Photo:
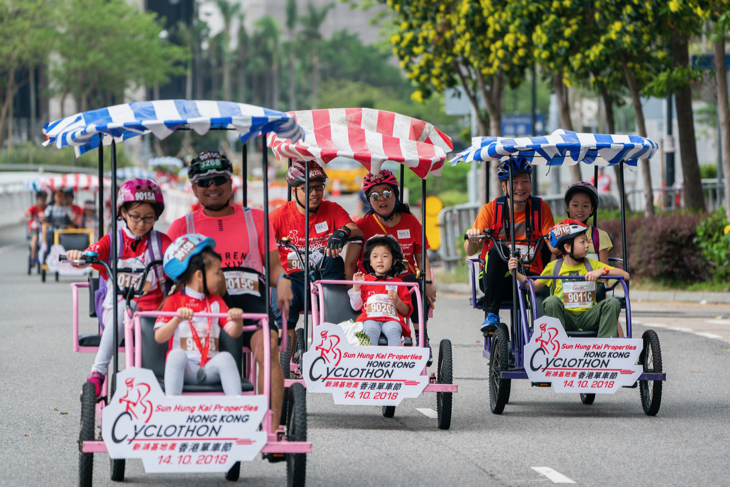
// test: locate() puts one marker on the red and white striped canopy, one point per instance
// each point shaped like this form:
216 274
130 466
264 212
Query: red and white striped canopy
75 181
368 136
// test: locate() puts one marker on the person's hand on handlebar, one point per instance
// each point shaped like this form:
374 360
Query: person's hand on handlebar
72 255
513 265
474 241
337 241
475 232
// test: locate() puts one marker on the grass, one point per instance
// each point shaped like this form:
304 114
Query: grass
459 275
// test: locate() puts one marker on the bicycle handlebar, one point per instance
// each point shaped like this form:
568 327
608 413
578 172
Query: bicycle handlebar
497 243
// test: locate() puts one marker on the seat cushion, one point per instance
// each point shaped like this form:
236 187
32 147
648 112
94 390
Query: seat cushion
246 386
337 304
74 241
92 340
582 333
93 286
383 341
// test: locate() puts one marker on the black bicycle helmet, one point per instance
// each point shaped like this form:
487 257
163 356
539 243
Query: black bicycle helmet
386 241
582 187
209 163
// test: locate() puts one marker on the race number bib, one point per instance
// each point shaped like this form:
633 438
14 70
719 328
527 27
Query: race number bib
239 282
292 262
128 280
525 251
188 344
380 306
579 294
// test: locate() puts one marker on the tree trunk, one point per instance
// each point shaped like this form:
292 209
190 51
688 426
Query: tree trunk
292 84
611 129
566 123
11 115
493 103
275 84
694 198
723 111
641 128
315 80
33 106
241 72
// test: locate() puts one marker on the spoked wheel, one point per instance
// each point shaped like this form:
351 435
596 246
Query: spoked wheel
499 388
651 360
587 399
56 276
445 376
285 368
299 348
88 426
296 430
30 265
117 469
43 275
388 411
235 472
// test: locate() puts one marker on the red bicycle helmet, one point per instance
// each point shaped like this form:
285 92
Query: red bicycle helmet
383 177
142 191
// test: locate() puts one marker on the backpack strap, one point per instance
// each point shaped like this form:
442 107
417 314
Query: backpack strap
556 273
190 223
497 223
253 259
588 266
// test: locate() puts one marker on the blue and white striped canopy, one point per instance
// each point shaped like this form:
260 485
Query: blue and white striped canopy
132 172
163 117
562 148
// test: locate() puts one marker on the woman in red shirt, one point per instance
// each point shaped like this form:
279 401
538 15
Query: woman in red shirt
390 216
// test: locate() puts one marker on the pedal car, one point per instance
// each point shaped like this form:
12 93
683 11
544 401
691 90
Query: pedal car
538 348
324 360
137 420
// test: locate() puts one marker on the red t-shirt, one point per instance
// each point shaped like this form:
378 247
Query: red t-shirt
407 231
376 304
289 222
229 233
36 214
133 257
183 337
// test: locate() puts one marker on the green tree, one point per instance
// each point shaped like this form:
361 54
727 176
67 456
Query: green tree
229 11
290 48
28 33
106 47
311 33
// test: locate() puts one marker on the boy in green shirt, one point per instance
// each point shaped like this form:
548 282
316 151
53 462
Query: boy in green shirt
573 301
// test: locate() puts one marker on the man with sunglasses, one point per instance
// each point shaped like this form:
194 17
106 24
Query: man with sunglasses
329 228
239 236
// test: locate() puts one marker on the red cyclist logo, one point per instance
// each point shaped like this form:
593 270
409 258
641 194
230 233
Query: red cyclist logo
550 343
135 400
331 351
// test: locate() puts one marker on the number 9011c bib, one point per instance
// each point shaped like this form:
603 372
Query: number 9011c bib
380 306
579 294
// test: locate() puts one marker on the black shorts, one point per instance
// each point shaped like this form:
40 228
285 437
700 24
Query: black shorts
250 304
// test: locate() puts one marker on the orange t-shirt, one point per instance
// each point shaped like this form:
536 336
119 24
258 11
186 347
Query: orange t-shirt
486 216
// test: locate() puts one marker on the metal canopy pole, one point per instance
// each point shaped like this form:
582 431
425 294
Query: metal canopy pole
512 238
424 304
288 193
402 181
100 230
623 217
267 257
595 210
244 178
306 256
113 277
486 181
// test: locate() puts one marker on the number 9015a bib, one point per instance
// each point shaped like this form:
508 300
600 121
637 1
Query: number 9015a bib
579 294
380 306
241 282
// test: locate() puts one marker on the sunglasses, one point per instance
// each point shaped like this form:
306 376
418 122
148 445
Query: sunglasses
375 196
317 188
208 182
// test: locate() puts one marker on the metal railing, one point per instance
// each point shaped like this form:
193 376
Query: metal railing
670 199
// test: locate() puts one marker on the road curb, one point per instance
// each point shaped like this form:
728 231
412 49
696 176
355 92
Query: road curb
638 295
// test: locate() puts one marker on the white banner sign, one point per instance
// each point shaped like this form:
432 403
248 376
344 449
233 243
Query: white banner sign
379 376
181 433
63 268
580 365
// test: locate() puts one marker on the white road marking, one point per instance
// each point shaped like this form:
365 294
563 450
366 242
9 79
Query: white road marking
428 412
655 325
718 322
555 477
678 328
708 335
9 247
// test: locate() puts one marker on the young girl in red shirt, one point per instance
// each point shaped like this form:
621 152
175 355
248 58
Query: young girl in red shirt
384 307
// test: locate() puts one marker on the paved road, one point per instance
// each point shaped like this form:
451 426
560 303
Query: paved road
609 443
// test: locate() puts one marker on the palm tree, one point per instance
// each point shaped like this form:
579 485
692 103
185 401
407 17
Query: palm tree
291 24
267 31
311 24
228 11
243 44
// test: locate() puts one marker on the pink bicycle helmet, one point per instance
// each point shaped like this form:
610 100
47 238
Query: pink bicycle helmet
383 177
297 172
142 191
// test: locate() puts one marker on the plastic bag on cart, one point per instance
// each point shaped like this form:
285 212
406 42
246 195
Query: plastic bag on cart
355 333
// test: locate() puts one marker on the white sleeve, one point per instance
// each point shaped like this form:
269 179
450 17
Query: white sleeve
355 299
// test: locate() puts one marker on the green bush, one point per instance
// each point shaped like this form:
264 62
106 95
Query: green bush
37 155
708 171
715 244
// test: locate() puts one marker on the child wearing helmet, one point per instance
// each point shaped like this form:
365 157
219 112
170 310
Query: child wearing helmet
573 301
533 219
385 307
139 204
194 356
34 214
581 202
